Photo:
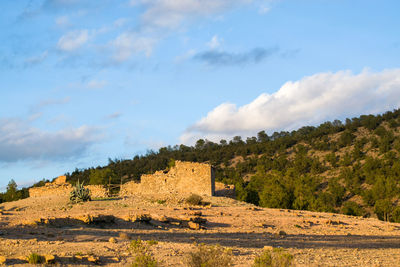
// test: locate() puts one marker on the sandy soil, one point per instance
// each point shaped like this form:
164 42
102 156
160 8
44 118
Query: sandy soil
51 225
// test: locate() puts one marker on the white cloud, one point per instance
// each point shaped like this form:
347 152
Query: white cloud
62 21
120 22
129 43
171 14
264 9
96 84
309 101
50 102
20 141
215 42
73 40
188 54
159 17
35 59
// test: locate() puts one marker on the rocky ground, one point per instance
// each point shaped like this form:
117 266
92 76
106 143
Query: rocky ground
100 231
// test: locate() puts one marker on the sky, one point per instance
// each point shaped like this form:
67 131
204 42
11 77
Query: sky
83 81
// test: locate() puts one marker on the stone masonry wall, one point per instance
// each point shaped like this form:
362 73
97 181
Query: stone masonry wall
97 191
184 178
61 188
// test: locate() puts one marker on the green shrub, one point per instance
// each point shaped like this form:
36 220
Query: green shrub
79 193
352 208
276 257
152 242
383 208
143 257
396 215
194 199
161 201
34 258
209 256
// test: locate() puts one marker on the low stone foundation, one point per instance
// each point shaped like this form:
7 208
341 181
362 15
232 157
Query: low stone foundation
61 188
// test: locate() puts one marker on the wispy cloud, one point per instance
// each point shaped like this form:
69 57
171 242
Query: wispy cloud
73 40
62 21
215 42
20 141
160 17
171 14
309 101
128 43
114 116
96 84
49 102
34 60
222 58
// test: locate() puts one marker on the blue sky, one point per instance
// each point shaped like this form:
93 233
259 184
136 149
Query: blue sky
83 81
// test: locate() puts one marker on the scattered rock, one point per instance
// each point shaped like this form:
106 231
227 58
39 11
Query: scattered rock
332 222
198 220
79 257
194 225
146 218
94 259
282 233
160 218
196 213
124 236
50 259
176 222
87 219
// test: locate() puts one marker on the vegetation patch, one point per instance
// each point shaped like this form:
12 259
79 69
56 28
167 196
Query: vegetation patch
194 200
79 193
34 258
142 255
210 256
276 257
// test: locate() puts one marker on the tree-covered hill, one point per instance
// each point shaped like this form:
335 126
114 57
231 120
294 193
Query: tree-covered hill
351 167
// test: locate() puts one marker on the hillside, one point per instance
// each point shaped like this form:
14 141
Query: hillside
100 232
349 167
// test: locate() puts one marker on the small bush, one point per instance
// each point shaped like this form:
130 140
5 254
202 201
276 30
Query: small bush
34 258
143 257
124 236
210 256
152 242
161 201
79 193
274 258
352 208
194 199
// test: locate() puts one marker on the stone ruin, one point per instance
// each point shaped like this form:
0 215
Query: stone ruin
183 179
60 187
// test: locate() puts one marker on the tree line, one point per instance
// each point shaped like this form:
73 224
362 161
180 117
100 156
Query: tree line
351 167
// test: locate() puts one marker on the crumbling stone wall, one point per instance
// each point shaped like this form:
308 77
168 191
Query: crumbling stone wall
59 187
184 178
50 189
97 191
225 190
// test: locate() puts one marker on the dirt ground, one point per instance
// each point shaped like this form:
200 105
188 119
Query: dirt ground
72 233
